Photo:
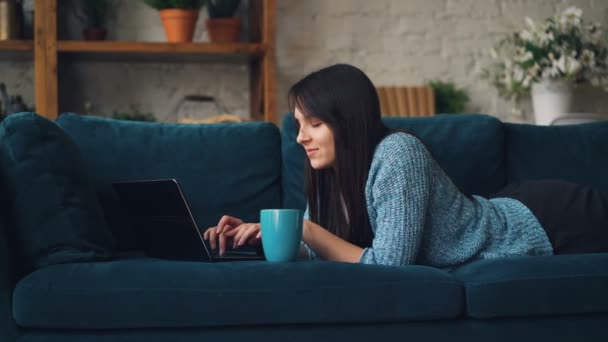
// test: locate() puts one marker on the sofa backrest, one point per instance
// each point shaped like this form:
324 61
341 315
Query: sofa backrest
469 147
232 168
575 153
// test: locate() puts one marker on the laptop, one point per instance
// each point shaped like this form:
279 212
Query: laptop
158 210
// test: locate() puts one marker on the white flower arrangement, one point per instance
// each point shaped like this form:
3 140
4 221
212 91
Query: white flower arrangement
562 47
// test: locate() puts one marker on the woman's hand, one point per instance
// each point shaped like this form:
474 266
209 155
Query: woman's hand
233 229
213 234
329 246
250 233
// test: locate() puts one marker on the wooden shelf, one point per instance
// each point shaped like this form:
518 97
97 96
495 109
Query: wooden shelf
160 52
153 47
49 53
16 50
16 45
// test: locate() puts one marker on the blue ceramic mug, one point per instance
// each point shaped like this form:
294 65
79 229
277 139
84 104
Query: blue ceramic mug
281 234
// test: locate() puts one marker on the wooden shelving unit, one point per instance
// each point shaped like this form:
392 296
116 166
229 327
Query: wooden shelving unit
259 54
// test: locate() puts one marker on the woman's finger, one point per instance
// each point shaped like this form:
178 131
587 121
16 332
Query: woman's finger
222 240
212 237
255 241
206 233
250 231
241 230
232 232
223 221
228 220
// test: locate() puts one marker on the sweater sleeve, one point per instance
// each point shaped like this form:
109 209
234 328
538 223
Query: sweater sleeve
311 254
398 192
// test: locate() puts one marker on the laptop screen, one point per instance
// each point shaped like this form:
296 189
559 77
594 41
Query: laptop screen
159 214
155 198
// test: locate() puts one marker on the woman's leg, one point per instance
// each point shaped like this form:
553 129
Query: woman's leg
574 216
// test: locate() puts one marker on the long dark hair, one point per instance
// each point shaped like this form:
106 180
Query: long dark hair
345 99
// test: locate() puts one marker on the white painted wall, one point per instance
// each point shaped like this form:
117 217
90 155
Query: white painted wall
401 42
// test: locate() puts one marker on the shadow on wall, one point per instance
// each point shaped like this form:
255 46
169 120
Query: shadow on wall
588 99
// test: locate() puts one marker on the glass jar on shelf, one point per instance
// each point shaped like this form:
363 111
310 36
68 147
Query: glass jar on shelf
197 108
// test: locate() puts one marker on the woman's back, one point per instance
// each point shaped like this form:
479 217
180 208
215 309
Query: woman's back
419 216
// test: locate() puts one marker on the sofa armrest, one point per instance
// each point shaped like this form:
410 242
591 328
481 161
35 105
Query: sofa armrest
8 328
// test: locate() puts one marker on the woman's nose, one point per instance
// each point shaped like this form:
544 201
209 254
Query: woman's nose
302 137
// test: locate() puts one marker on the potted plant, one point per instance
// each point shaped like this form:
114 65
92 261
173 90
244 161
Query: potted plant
448 98
221 24
94 15
179 17
548 59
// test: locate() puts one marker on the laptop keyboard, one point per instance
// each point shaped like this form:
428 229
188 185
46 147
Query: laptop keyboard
239 252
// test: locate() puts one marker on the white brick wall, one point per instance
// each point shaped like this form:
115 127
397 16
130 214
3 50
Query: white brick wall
411 41
394 41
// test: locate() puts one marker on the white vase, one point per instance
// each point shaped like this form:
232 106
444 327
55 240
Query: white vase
550 100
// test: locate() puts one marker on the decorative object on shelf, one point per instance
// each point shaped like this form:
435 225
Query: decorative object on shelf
136 115
406 101
11 19
551 99
222 118
561 49
94 15
28 20
179 17
221 25
193 108
579 118
449 99
11 104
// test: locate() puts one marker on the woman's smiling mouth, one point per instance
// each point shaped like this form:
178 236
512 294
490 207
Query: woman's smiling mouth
310 151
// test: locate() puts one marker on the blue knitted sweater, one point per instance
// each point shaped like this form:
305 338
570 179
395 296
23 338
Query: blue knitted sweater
418 216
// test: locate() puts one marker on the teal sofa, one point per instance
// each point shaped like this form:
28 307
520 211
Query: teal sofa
71 268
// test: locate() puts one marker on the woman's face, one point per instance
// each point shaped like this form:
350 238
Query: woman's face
317 139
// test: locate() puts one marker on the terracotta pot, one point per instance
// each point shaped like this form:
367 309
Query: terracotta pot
179 24
224 30
93 33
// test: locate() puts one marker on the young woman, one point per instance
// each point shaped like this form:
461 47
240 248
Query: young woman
379 197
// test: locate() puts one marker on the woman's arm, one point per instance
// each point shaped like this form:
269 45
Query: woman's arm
327 245
399 192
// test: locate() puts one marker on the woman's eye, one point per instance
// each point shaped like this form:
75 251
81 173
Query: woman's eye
316 124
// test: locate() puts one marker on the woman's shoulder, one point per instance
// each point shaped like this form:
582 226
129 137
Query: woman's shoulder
399 144
399 155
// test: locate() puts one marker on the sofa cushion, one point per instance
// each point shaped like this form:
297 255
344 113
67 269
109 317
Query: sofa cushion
529 286
469 147
576 153
142 293
232 168
54 213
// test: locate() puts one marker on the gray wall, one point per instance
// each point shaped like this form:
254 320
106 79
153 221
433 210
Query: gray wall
397 42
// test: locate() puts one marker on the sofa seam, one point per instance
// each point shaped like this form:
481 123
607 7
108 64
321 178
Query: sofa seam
582 277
